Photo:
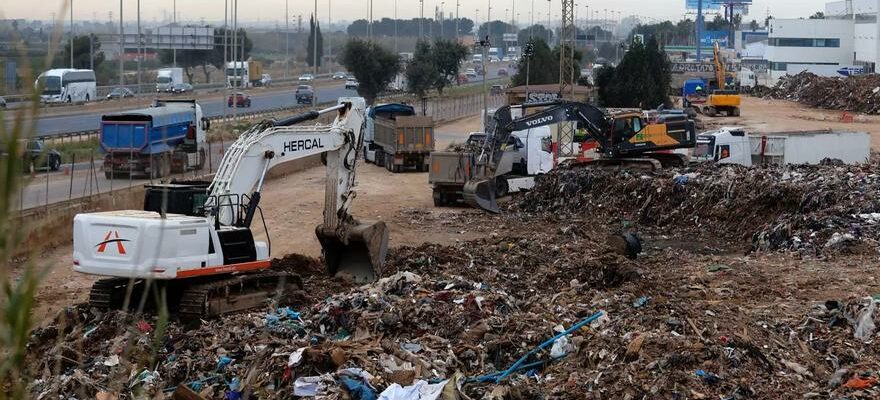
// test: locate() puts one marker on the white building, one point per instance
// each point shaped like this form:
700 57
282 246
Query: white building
866 30
847 37
821 46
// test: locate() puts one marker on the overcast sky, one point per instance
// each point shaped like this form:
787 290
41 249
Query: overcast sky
273 10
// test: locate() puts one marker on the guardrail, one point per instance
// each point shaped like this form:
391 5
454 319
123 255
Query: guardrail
148 89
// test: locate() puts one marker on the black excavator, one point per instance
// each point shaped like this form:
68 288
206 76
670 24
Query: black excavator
624 140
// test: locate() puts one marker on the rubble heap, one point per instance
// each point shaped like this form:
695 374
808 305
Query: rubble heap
808 209
859 94
446 320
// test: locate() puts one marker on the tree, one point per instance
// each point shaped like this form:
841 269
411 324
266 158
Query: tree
447 57
534 31
753 25
313 28
422 72
373 65
640 80
498 29
189 59
818 15
81 53
542 67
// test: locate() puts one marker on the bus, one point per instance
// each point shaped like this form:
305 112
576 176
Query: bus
67 85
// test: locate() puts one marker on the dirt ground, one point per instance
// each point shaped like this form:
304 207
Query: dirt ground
293 204
763 115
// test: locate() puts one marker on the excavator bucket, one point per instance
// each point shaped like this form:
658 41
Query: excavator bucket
358 254
481 194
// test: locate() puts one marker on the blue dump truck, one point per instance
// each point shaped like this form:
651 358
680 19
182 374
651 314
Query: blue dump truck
154 142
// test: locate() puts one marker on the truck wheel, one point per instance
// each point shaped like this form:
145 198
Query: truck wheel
108 174
202 159
396 168
735 112
55 164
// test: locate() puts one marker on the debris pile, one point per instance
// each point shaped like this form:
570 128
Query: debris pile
860 93
547 313
816 210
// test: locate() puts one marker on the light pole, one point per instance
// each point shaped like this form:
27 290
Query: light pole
315 45
395 28
442 4
226 52
174 25
488 23
71 33
531 20
457 4
330 37
369 25
140 46
286 37
549 29
421 19
121 47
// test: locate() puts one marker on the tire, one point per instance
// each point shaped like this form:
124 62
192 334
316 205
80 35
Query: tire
397 169
735 112
202 158
87 98
249 104
108 174
55 163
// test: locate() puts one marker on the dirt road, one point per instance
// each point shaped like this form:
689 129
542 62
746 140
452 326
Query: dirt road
294 204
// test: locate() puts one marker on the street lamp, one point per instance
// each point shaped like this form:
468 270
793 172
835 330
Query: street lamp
71 33
286 37
442 4
421 19
456 20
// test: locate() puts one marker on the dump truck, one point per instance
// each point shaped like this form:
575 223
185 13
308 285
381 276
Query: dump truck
734 145
244 74
155 141
397 138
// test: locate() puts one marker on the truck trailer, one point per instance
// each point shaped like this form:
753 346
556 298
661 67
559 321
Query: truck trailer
166 78
734 145
243 74
155 141
397 138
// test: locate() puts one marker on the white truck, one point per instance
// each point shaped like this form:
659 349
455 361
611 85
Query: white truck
734 145
166 78
244 74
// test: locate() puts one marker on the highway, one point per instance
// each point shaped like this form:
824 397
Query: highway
212 104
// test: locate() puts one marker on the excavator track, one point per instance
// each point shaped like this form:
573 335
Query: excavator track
237 293
201 297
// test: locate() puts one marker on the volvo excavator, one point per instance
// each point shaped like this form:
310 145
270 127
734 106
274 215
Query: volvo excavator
624 140
194 241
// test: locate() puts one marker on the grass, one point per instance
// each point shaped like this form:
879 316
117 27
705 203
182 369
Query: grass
78 151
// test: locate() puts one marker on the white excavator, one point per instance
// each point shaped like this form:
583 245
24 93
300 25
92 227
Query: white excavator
194 241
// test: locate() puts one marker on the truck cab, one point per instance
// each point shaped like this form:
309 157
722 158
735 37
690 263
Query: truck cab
727 145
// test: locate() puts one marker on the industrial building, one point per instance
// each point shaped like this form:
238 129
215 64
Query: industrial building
844 42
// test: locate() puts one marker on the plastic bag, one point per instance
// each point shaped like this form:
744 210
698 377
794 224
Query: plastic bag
865 323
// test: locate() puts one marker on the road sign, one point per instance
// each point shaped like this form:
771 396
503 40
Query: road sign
509 37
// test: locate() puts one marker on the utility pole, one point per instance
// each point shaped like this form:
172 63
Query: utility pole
369 23
91 51
457 5
699 30
236 65
315 45
395 28
140 46
71 34
121 47
442 3
225 53
174 25
421 19
286 38
330 38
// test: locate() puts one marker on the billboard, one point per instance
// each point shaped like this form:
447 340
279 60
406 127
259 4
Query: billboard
707 5
709 38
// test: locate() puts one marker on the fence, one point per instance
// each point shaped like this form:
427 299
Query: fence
84 184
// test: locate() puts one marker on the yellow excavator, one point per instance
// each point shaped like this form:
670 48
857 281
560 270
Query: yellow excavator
722 99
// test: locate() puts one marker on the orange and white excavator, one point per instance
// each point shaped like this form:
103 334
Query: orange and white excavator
195 241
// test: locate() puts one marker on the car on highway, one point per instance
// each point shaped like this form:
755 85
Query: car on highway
502 72
266 80
239 99
496 90
181 88
36 155
494 59
120 93
352 83
2 102
462 79
306 78
338 76
305 94
506 59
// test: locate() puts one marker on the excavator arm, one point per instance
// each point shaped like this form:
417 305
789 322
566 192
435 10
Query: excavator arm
480 192
349 247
